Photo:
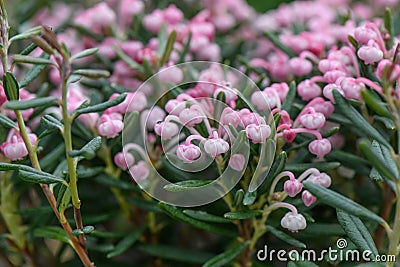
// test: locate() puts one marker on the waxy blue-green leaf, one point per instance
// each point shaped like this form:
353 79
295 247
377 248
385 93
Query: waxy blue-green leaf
89 150
388 22
226 257
7 122
31 103
32 60
26 34
186 185
11 87
52 232
34 72
168 48
290 97
176 254
242 215
204 216
39 177
127 242
51 123
84 231
358 120
275 40
357 232
301 167
102 106
285 237
376 104
383 162
177 214
84 53
338 201
92 73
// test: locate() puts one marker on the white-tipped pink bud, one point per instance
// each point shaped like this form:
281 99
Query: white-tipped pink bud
293 221
292 187
124 160
308 198
237 162
188 153
258 133
166 130
139 171
320 147
313 120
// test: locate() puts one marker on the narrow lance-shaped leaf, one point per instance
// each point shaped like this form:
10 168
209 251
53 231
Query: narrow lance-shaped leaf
89 150
51 123
204 216
285 237
356 231
127 242
275 40
85 53
34 72
241 215
228 256
186 185
27 34
339 201
102 106
168 48
11 87
376 104
31 103
358 120
7 122
32 60
39 177
374 153
92 73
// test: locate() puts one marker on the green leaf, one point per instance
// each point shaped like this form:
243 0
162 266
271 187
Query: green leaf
31 103
276 168
52 232
238 199
7 122
357 232
249 198
388 21
32 60
186 185
241 215
27 34
204 216
51 123
124 57
383 162
92 73
177 214
84 53
358 120
168 48
275 40
144 204
176 254
290 97
89 150
84 231
285 237
339 201
102 106
112 182
224 258
389 124
127 242
34 72
39 177
11 87
301 167
185 48
375 103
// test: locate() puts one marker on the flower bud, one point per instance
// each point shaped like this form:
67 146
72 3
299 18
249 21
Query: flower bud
174 106
292 187
188 153
230 116
139 171
363 35
351 88
258 133
300 67
308 198
154 115
216 147
166 130
370 54
124 160
293 221
308 90
237 162
14 150
110 125
191 116
313 120
320 147
289 135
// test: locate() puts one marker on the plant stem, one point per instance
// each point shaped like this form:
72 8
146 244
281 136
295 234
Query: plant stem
394 238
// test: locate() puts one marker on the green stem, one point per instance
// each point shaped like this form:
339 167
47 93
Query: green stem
394 238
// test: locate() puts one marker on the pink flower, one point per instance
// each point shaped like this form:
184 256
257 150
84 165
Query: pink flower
264 100
300 67
110 125
230 116
289 135
173 15
154 21
229 93
191 116
188 153
174 106
322 179
385 65
124 160
351 88
320 147
292 187
139 171
249 117
210 52
216 146
313 121
258 133
14 148
171 74
166 130
237 162
363 35
370 54
3 97
133 102
308 90
328 91
293 221
155 115
129 8
308 198
282 89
